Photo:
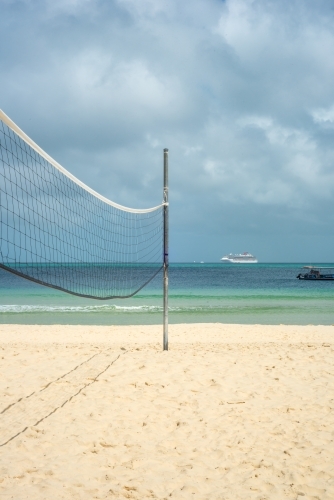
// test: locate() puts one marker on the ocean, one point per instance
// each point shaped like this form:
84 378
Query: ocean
198 293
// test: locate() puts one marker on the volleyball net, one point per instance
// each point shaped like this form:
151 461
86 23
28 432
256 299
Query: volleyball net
58 232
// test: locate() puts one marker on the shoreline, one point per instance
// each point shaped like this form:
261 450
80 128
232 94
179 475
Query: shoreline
230 411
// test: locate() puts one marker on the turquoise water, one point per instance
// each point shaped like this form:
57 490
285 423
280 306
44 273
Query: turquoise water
199 293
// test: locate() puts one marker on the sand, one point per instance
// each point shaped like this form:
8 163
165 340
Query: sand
229 412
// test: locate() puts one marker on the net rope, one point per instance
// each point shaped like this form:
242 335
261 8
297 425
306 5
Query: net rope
58 232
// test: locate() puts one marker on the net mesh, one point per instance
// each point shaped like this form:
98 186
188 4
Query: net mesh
55 232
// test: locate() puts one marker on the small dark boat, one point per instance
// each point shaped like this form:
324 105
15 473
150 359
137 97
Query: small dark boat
317 273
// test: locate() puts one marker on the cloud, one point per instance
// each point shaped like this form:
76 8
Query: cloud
323 116
240 91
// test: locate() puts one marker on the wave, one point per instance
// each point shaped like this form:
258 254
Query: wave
115 309
17 309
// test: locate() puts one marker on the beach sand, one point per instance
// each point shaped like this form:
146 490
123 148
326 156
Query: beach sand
229 412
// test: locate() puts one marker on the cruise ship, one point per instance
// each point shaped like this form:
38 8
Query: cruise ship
240 258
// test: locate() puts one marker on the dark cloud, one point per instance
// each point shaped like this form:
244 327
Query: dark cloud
241 92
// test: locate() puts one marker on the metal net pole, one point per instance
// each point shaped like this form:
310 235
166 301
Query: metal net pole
166 262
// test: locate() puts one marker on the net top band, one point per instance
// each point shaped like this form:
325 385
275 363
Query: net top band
5 119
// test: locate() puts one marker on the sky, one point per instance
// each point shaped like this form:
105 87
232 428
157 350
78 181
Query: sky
241 92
